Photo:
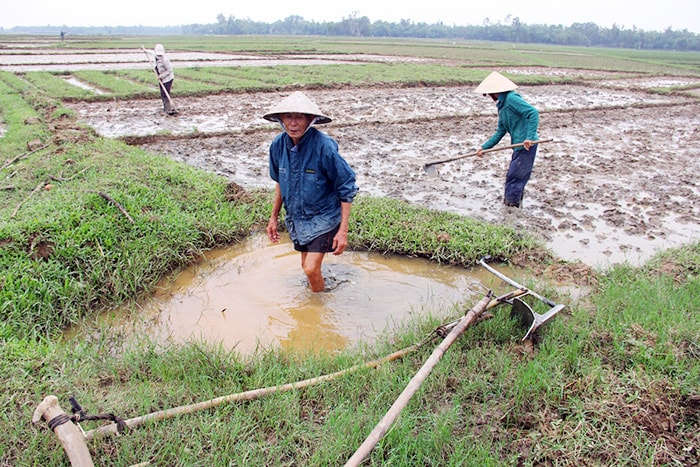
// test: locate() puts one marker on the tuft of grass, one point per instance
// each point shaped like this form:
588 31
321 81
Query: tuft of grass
116 85
23 125
56 86
395 227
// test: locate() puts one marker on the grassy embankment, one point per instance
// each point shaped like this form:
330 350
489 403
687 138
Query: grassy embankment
614 381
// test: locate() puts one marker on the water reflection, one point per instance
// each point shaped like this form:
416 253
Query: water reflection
255 295
311 326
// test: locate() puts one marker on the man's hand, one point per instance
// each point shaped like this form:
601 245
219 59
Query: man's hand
271 229
340 241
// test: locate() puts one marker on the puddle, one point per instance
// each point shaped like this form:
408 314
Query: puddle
76 82
651 83
255 295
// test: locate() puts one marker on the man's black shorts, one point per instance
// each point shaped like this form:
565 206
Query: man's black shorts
321 244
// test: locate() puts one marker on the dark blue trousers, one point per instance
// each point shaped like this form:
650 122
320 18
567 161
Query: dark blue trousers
164 97
519 171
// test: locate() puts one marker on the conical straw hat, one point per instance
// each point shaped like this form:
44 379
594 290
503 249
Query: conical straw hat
297 102
495 83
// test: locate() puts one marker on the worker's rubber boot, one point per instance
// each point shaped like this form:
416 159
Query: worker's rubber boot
169 109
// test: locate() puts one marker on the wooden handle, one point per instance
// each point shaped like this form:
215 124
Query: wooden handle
485 151
68 433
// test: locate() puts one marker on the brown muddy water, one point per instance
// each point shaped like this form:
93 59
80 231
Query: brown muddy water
254 296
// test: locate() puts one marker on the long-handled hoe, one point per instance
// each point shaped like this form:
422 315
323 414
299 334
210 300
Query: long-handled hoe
74 439
431 170
456 329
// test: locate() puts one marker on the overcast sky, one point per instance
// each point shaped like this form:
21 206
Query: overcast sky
644 14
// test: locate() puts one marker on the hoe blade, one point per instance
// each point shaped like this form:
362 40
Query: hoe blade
431 170
531 320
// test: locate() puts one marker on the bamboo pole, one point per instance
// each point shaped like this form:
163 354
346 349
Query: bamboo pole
111 429
68 433
415 383
74 440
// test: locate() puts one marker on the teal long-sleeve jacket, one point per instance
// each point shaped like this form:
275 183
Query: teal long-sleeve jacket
516 117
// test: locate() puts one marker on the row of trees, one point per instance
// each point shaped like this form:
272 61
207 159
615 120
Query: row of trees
510 30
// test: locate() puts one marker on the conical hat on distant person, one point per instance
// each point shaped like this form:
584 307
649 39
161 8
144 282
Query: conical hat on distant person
495 83
159 49
298 103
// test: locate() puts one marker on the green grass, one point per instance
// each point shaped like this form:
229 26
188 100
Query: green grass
63 262
115 85
130 84
55 85
22 123
591 393
468 53
395 227
469 63
613 380
225 79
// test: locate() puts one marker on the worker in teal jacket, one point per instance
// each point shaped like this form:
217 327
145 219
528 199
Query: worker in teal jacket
520 119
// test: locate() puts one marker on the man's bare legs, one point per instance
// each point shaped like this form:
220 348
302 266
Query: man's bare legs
311 264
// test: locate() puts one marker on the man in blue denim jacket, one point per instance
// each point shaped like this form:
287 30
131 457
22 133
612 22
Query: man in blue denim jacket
314 183
520 119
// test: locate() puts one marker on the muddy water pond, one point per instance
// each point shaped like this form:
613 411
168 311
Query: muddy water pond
254 295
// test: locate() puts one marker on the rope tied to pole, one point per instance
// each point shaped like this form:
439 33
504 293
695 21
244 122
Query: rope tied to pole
58 421
80 415
74 439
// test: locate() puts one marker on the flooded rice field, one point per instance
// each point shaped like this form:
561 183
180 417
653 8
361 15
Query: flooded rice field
41 59
618 183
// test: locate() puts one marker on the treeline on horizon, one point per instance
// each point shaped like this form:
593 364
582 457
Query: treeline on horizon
512 30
